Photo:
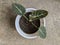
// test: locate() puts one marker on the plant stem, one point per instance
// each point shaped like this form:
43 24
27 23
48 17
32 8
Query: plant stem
34 25
25 17
30 21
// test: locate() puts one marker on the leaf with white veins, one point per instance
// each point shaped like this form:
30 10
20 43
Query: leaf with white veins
37 14
18 9
42 32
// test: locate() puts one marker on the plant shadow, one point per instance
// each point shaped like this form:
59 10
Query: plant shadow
11 17
57 0
9 23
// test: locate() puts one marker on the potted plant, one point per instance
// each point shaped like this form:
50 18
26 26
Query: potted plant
28 21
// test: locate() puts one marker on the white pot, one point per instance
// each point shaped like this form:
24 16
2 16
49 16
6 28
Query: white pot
19 30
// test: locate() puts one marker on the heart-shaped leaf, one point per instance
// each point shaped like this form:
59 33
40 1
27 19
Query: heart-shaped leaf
18 9
42 32
38 14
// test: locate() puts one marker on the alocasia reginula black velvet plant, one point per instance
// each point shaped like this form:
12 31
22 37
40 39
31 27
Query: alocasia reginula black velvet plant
37 14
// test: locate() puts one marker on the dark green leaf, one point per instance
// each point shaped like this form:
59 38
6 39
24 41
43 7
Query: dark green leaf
42 32
38 14
18 9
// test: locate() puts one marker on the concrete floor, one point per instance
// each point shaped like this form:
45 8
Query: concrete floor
8 33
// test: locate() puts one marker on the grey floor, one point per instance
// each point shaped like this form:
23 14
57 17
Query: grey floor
8 33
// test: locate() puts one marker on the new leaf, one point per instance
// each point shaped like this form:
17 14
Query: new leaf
38 14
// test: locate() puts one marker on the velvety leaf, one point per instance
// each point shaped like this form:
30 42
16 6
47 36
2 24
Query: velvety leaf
38 14
42 32
18 9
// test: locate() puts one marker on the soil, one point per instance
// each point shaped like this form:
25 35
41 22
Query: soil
26 26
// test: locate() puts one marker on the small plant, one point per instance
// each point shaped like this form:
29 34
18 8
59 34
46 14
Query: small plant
37 14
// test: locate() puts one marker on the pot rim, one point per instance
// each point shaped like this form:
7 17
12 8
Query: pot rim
19 30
